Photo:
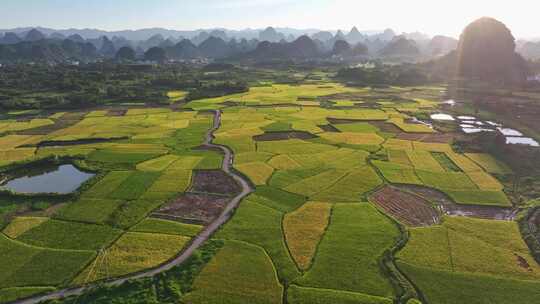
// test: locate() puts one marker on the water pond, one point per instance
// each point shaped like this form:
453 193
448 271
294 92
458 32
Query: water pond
442 116
62 179
522 141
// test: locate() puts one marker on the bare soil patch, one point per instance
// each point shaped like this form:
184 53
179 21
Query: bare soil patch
329 128
77 142
522 262
215 182
117 112
67 120
193 208
275 136
449 207
380 124
411 210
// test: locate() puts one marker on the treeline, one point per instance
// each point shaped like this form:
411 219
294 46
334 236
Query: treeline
382 75
211 90
42 86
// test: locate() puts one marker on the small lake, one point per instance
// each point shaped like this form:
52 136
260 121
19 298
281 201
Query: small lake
61 179
442 116
472 125
522 141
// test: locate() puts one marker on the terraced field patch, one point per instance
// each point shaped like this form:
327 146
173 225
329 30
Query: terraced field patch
69 235
261 225
488 163
305 295
356 237
89 210
25 265
156 225
472 246
20 225
134 251
245 266
304 229
258 173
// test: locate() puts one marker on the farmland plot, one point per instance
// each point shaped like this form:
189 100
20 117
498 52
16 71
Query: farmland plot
350 249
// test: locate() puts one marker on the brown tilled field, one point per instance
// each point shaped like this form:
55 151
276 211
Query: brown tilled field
214 181
193 208
274 136
407 208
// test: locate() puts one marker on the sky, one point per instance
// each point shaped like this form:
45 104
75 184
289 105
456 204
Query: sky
428 16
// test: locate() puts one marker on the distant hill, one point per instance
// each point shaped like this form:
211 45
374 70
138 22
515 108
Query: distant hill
223 43
48 51
302 48
400 47
486 52
441 45
530 50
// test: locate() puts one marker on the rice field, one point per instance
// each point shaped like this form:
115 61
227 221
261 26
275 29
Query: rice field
350 249
304 229
314 153
134 251
470 255
245 266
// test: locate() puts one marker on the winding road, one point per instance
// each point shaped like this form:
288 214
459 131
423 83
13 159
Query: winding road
197 242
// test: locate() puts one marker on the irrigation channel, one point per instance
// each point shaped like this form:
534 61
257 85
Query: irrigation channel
197 242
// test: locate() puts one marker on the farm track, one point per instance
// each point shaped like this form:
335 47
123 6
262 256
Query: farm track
196 243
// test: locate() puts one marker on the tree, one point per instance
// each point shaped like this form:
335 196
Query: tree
156 54
125 54
486 52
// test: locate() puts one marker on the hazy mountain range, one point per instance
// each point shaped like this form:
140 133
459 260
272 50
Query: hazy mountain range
144 34
45 44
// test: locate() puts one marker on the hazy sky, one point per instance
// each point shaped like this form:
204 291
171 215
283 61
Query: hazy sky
430 16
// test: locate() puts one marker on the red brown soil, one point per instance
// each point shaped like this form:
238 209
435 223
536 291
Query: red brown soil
385 126
523 263
67 120
275 136
380 124
193 208
215 182
449 207
117 112
410 209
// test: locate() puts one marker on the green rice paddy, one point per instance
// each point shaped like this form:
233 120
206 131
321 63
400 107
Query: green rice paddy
306 232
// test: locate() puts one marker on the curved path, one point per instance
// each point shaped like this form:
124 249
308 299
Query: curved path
197 242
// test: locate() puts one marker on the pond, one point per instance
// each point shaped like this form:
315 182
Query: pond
522 141
442 116
510 132
61 179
